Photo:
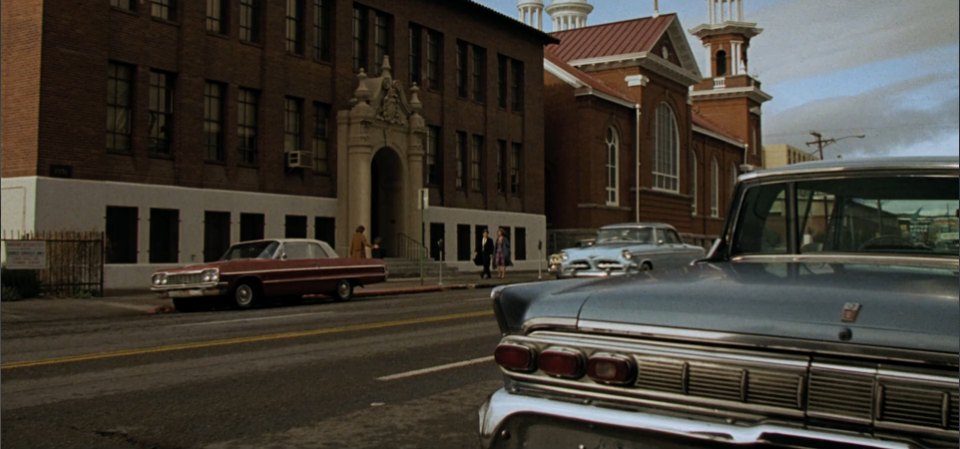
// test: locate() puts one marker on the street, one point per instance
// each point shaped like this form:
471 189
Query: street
387 371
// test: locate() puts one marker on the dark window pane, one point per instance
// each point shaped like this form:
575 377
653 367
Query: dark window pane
121 233
296 227
251 227
216 234
164 235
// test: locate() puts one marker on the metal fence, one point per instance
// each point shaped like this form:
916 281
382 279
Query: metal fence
74 261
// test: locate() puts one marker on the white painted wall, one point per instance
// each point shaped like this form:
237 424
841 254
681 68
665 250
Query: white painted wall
53 204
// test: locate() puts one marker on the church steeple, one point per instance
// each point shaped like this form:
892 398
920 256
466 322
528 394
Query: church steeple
569 14
729 95
726 38
531 13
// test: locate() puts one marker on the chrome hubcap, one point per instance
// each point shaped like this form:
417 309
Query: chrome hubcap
244 295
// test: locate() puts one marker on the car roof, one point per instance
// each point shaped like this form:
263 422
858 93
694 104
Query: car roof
643 224
910 163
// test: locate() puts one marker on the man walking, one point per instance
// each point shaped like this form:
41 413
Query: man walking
484 253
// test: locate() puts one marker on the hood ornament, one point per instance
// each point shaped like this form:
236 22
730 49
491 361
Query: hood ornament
851 311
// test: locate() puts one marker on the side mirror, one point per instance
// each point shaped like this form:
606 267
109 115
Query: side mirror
283 256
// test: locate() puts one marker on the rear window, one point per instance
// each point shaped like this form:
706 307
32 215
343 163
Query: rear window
902 215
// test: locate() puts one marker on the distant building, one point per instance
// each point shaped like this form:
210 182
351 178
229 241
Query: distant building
634 132
780 154
178 127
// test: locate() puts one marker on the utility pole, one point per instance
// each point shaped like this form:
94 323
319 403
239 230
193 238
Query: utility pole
820 142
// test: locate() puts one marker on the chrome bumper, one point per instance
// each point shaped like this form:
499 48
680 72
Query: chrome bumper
514 421
194 290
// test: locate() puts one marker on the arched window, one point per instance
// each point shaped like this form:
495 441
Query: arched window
734 172
693 184
715 188
666 154
721 63
613 163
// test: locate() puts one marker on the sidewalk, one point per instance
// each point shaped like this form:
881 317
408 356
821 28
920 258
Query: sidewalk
145 302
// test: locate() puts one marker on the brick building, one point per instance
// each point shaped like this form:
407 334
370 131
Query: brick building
634 132
178 127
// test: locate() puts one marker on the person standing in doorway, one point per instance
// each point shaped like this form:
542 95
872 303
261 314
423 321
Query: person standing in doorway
484 253
377 251
502 253
359 244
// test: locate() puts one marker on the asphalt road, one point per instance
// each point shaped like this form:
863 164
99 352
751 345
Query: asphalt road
385 372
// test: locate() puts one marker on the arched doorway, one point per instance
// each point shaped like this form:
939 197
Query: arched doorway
386 192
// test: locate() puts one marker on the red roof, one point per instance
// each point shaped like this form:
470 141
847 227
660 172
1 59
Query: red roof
609 39
585 78
709 125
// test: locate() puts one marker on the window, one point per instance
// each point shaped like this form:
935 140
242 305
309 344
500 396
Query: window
501 166
164 9
360 57
217 17
476 156
416 52
520 244
292 124
461 159
294 27
213 121
462 68
515 159
216 234
321 147
693 184
516 86
250 21
382 39
463 242
667 150
613 167
295 227
247 101
160 130
721 63
126 5
119 106
251 227
434 166
502 64
121 234
434 50
479 74
321 29
324 228
164 235
715 188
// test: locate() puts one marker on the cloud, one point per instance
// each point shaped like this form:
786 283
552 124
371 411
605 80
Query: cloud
806 38
893 119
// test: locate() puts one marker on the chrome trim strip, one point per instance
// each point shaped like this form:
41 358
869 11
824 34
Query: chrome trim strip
767 342
288 270
501 406
946 261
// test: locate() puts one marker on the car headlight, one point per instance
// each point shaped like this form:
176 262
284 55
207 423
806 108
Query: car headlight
563 255
159 279
626 254
212 275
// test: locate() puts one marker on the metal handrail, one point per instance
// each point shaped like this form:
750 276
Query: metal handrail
409 248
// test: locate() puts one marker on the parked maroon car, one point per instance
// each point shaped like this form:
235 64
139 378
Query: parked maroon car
254 270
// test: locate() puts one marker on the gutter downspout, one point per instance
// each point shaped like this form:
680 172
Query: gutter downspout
636 144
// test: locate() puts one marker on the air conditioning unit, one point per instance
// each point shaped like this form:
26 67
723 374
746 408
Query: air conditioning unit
299 159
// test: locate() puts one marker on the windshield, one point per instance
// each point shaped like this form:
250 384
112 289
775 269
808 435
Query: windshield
252 250
903 215
624 235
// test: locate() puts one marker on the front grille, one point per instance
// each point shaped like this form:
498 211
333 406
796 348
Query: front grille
580 265
871 395
609 265
184 278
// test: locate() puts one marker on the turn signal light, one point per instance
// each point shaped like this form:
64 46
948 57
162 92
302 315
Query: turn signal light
561 362
610 369
515 357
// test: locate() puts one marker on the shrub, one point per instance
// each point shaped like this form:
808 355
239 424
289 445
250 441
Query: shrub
19 284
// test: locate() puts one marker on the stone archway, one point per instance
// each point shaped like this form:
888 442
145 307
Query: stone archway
381 134
386 193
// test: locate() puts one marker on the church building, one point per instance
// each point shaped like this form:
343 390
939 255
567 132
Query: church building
634 131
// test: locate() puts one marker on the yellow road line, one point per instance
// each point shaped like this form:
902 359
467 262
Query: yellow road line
239 340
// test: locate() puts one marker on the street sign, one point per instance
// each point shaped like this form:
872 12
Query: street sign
26 255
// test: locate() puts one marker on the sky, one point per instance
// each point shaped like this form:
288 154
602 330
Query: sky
886 69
